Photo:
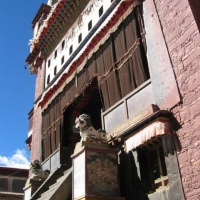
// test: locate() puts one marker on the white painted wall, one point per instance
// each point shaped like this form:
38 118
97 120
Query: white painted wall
77 30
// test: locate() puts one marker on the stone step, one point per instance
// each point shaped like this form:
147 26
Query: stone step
53 189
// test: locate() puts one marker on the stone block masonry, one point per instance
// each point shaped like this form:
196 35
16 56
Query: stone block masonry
183 42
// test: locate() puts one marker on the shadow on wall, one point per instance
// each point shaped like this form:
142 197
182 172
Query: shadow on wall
195 5
131 185
175 125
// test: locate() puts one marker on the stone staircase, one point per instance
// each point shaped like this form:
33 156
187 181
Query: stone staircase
58 186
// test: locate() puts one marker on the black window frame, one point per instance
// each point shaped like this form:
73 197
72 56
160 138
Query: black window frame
55 54
89 25
100 11
48 79
55 70
153 169
62 59
70 49
80 38
49 62
63 44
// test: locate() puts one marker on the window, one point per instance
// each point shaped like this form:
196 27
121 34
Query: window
151 170
48 79
100 11
55 54
3 184
55 70
122 57
89 25
152 166
80 38
62 60
49 63
71 49
63 44
17 185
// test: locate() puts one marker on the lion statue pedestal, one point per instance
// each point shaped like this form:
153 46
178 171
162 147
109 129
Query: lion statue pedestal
95 172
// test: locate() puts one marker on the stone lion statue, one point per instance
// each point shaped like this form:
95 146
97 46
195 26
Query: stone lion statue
37 172
87 132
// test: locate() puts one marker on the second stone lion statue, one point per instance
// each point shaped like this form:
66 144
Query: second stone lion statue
87 132
37 172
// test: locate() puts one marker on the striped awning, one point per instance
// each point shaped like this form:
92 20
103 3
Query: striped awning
146 134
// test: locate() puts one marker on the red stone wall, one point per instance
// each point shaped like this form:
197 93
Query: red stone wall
37 120
36 143
39 86
183 42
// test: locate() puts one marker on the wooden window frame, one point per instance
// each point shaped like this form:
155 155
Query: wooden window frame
161 181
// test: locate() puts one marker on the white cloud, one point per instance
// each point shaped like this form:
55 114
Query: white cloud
18 160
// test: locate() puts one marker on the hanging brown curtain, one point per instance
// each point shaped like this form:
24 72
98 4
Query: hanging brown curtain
130 53
108 78
50 132
138 61
45 134
65 96
91 68
102 79
53 139
58 121
46 140
58 126
122 61
82 80
111 76
52 125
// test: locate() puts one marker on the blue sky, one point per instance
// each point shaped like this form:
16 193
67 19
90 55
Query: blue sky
16 83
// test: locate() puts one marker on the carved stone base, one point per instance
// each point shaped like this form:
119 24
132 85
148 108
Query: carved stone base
79 145
95 172
30 187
